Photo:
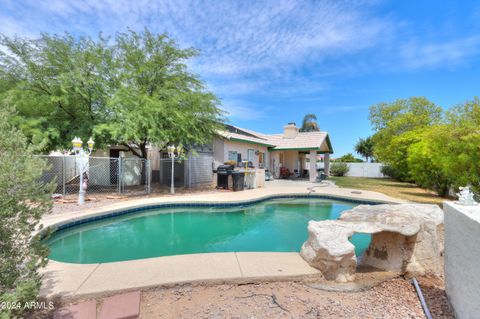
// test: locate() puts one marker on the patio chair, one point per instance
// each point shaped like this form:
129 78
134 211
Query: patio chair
285 173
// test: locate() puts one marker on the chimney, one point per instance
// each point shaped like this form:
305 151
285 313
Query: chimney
290 130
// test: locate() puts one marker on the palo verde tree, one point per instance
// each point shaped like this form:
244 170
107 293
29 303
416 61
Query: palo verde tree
59 86
156 100
309 123
23 201
134 90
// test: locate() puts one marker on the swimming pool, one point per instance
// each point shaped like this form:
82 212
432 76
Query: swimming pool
275 225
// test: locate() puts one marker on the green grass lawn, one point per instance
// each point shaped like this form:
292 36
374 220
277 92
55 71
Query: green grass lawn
390 187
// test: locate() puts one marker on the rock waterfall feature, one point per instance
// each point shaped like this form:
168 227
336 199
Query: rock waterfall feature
404 239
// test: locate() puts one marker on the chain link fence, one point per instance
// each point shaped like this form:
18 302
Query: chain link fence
101 174
191 172
128 175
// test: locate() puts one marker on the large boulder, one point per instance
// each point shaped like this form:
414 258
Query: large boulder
329 250
404 239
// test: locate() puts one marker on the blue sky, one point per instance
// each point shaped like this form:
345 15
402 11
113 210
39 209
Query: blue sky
271 62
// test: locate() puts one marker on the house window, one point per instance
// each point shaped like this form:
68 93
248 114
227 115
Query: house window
250 155
233 156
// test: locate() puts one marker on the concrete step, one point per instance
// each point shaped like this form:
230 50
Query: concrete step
83 310
123 306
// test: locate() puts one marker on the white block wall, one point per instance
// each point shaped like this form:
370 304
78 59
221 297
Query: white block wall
462 259
365 170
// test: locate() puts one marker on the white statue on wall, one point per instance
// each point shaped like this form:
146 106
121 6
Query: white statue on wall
465 197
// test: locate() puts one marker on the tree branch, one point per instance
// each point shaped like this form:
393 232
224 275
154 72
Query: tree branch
131 149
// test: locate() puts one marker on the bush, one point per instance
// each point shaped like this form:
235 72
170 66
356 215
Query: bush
389 171
23 201
338 169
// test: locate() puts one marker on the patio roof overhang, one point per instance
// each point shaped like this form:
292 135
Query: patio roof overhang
307 149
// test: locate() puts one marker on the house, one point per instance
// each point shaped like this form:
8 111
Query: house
291 149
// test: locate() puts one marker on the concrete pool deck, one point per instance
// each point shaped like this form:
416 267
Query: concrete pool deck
69 280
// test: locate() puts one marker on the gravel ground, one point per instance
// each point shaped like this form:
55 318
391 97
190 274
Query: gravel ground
68 203
392 299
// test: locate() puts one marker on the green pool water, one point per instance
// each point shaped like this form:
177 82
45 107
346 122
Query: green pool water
275 225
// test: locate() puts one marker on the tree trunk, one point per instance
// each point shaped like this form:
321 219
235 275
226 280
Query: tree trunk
144 153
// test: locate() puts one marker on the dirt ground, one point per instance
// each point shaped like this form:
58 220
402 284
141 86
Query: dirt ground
68 203
395 298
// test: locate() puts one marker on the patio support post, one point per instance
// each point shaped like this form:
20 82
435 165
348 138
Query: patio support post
313 166
326 159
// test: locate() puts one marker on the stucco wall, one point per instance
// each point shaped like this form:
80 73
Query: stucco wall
291 159
462 259
274 163
218 151
221 151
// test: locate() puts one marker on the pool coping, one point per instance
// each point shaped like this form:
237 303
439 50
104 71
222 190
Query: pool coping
69 280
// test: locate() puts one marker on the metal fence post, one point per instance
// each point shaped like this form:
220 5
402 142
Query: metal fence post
149 173
64 171
119 178
189 170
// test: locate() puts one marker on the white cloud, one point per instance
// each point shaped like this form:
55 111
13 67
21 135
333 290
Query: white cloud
267 39
417 55
276 47
240 110
341 109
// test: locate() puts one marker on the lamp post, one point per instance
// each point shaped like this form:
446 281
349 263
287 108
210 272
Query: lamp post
174 153
82 155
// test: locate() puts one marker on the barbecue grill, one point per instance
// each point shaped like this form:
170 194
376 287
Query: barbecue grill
223 171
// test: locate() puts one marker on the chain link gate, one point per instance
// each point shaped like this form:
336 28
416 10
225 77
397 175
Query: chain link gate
122 175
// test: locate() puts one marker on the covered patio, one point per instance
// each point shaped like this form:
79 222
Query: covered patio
303 154
299 163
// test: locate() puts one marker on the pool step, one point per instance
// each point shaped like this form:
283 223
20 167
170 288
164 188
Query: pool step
122 306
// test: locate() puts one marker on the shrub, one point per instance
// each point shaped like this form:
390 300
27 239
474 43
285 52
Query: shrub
338 169
389 171
23 201
348 158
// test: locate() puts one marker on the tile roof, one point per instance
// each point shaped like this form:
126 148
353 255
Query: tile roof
304 140
242 137
307 140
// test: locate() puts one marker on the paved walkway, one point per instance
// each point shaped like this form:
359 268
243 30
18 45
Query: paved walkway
83 280
79 280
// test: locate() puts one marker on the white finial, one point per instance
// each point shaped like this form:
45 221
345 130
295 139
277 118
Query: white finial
465 197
